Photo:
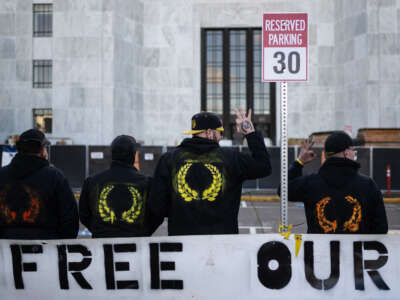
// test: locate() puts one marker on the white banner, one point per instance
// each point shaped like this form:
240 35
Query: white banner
203 267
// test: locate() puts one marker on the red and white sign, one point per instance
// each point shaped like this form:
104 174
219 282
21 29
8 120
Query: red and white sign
285 47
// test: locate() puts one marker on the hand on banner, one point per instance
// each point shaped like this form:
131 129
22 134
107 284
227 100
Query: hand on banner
306 154
243 123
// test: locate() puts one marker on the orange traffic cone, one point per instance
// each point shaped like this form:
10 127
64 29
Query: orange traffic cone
136 164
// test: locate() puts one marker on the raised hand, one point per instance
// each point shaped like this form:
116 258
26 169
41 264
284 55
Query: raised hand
306 155
243 123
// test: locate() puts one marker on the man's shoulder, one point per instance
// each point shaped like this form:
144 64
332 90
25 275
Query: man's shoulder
229 151
53 171
365 180
171 153
312 179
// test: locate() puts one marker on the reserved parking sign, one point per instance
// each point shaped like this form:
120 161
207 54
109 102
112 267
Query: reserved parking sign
285 47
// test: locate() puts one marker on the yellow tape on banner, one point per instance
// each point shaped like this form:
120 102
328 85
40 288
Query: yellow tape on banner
285 230
297 239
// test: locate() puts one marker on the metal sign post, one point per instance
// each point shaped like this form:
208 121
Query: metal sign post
284 157
284 58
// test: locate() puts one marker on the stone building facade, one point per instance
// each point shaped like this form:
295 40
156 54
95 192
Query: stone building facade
135 66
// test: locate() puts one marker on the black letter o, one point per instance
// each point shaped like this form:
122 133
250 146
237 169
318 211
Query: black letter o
279 278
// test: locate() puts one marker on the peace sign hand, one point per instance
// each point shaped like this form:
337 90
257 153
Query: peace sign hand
307 155
243 123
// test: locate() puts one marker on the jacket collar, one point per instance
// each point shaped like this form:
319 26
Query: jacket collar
121 164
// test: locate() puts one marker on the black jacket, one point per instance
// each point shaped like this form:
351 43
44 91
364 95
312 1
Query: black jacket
338 199
113 203
199 184
36 201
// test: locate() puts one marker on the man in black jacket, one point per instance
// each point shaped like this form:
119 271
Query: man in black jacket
36 201
113 202
337 199
199 184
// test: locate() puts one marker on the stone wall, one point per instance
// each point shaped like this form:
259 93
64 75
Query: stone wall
133 66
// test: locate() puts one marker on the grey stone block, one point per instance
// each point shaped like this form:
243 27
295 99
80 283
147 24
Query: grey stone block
348 53
75 120
388 116
122 100
360 24
77 47
7 120
373 21
7 70
60 121
41 98
22 97
7 24
338 10
23 48
398 20
7 48
385 43
326 11
339 29
24 6
8 5
137 11
326 55
326 76
6 97
389 95
151 57
181 11
389 67
23 24
77 97
78 5
152 13
381 3
360 46
387 19
23 120
312 34
185 77
24 70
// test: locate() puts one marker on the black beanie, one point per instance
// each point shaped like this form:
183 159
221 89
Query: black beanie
337 142
123 148
32 141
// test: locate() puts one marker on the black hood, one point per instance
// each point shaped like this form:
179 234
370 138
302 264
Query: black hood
338 171
23 166
199 145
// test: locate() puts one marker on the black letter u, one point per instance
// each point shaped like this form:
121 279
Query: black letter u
324 284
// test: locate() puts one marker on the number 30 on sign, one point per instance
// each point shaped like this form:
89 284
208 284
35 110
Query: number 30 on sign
285 47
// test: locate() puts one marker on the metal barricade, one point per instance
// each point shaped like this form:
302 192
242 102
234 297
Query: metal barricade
99 158
71 159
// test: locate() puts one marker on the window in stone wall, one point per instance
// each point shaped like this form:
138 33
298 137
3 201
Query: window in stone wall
42 73
231 77
43 119
42 20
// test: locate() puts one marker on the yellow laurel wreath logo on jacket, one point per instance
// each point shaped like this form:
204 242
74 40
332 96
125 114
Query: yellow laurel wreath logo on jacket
108 215
189 194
